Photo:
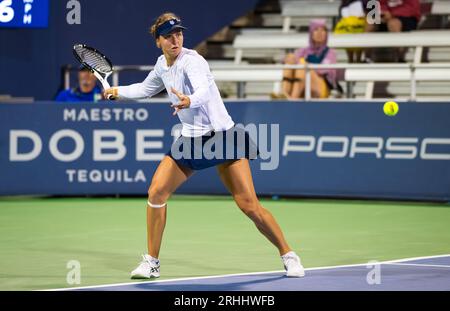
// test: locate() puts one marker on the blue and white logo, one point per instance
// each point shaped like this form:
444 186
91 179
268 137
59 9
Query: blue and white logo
24 13
6 11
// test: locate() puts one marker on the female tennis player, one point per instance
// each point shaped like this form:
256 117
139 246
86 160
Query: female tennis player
197 102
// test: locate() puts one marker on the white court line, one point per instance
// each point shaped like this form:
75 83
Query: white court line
246 274
417 265
414 258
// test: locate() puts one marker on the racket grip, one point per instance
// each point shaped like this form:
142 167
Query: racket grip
111 97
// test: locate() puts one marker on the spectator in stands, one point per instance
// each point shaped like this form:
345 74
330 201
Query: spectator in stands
352 20
397 16
322 80
87 90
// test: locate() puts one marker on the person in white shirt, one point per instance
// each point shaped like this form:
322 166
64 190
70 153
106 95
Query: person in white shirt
196 100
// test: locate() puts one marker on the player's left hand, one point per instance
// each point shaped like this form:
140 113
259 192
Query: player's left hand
184 102
111 93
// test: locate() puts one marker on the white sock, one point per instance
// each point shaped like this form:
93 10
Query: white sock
288 254
150 258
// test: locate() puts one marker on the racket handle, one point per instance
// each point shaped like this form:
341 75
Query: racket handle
111 97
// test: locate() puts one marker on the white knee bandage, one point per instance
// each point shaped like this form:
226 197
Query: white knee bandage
156 205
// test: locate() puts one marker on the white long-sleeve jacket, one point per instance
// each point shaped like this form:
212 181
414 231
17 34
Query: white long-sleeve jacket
189 75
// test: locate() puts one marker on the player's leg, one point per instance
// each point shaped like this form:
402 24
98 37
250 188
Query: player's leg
167 178
237 178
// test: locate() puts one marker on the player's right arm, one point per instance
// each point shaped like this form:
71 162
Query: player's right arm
151 86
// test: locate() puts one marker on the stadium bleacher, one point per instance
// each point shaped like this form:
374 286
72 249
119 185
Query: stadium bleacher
440 8
265 35
307 8
270 43
417 39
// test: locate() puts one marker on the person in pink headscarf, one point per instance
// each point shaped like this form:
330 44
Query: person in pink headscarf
318 52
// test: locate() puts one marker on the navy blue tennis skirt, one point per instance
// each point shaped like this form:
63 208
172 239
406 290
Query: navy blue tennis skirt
213 148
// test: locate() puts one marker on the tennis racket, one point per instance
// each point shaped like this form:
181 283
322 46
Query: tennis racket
95 61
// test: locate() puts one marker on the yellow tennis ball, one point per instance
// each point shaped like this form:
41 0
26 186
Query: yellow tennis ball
390 108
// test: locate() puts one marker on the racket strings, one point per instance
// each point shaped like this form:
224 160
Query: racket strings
95 60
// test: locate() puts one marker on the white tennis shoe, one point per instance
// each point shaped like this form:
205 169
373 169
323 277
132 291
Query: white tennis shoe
147 269
293 265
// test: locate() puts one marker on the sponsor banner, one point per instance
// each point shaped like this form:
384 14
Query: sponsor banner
330 149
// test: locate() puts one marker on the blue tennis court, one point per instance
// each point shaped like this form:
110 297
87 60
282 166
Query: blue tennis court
428 274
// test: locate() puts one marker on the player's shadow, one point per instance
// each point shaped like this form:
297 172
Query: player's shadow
226 286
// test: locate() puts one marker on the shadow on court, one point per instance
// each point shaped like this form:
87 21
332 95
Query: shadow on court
410 275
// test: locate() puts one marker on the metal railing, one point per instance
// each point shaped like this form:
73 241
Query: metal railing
307 67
